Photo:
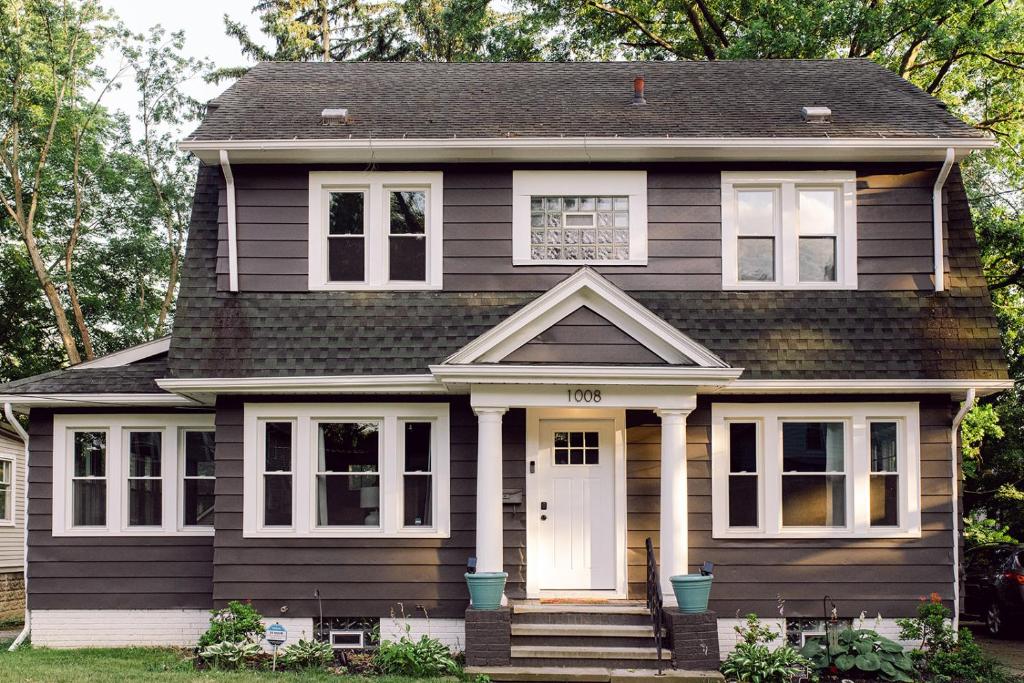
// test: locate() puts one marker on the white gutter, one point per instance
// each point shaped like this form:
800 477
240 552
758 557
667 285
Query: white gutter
903 386
9 414
964 407
938 257
229 179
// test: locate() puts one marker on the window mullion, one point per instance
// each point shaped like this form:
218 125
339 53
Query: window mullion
787 235
860 486
772 475
390 480
170 488
116 483
376 237
304 454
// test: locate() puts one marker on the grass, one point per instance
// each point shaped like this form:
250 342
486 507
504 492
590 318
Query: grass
127 665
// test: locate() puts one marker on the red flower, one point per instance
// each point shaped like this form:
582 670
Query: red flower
936 598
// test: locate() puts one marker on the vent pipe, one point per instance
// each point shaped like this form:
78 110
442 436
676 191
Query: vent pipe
638 91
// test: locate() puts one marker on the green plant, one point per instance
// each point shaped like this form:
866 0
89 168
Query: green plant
753 661
230 655
238 622
421 658
361 663
861 651
307 654
980 530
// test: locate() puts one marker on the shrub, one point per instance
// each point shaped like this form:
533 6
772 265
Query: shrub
239 622
361 663
944 654
229 655
307 654
861 652
980 530
423 658
753 661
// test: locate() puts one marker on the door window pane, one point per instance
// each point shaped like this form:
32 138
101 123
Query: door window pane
348 483
89 484
755 259
277 477
817 259
346 246
198 480
576 448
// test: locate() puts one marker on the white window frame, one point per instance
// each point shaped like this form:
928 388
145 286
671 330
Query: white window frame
391 468
526 184
125 487
856 416
182 477
261 468
12 490
117 428
375 186
786 228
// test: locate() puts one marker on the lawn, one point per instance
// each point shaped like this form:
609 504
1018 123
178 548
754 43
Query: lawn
126 665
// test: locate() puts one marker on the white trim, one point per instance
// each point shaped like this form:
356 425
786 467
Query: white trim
374 185
938 257
526 184
984 387
618 418
586 287
27 401
313 384
116 428
129 355
856 417
229 186
686 376
304 416
12 489
955 498
597 148
786 187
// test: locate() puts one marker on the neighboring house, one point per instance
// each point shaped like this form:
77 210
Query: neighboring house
534 314
12 523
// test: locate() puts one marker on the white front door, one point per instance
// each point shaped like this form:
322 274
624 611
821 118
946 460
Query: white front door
572 495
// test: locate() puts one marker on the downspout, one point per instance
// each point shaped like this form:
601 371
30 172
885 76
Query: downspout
229 180
940 271
9 414
957 419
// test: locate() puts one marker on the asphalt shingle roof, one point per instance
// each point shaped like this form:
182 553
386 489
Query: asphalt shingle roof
741 98
135 378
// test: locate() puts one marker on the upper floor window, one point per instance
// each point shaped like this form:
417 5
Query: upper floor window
578 217
6 491
791 470
133 474
789 230
375 230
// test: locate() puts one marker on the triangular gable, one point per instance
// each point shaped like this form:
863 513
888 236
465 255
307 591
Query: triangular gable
586 289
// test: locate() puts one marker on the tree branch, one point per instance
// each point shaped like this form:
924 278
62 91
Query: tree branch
640 25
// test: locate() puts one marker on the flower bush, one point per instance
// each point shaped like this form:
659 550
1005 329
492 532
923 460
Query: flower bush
239 622
753 661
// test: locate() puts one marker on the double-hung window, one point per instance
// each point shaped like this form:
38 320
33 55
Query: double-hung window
6 491
133 475
346 470
789 230
815 470
375 230
579 217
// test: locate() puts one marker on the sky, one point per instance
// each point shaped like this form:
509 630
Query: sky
203 23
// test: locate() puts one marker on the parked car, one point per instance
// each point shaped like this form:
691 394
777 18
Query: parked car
994 590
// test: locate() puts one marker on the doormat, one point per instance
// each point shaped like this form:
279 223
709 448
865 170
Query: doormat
574 601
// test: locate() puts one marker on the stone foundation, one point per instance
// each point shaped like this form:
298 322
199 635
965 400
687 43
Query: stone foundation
693 639
488 637
12 596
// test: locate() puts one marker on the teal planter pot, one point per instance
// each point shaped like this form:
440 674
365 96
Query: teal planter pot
486 589
692 592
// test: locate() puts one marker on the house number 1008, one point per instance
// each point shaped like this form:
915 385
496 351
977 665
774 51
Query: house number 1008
584 395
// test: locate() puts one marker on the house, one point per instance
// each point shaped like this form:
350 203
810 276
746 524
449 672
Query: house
12 523
527 316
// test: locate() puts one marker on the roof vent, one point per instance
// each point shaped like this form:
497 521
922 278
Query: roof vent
212 105
816 114
334 117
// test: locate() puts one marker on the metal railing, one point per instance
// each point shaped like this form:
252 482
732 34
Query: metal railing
654 602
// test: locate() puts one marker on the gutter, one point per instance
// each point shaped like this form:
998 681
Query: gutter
9 414
957 419
940 181
229 179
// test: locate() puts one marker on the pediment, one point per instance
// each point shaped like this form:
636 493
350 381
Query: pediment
585 320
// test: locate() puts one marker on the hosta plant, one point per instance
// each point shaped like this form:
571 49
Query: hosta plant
307 654
228 655
755 661
861 652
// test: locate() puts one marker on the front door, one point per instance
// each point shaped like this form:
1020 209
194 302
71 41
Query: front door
573 496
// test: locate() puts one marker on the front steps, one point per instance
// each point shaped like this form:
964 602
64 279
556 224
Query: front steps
594 675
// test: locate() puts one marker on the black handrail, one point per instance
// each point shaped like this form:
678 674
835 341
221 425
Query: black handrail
654 601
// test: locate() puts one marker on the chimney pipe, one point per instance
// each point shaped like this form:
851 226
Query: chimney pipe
638 91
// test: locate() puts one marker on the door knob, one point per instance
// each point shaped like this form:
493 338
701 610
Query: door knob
543 518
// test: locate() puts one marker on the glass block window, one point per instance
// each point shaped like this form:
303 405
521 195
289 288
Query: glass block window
573 228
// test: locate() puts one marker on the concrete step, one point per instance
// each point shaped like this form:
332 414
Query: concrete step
528 674
560 608
587 652
601 630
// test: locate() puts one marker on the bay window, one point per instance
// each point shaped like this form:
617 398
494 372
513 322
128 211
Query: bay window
375 230
346 470
789 230
133 475
815 470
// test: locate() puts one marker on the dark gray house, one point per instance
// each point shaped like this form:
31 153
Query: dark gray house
533 314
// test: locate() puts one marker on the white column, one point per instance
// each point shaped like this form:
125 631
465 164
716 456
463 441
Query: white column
674 529
489 527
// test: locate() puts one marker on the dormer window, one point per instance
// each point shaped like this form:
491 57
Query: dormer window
375 230
579 217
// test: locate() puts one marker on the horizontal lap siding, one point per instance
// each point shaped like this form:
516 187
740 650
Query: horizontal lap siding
361 577
880 575
114 572
12 538
583 337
